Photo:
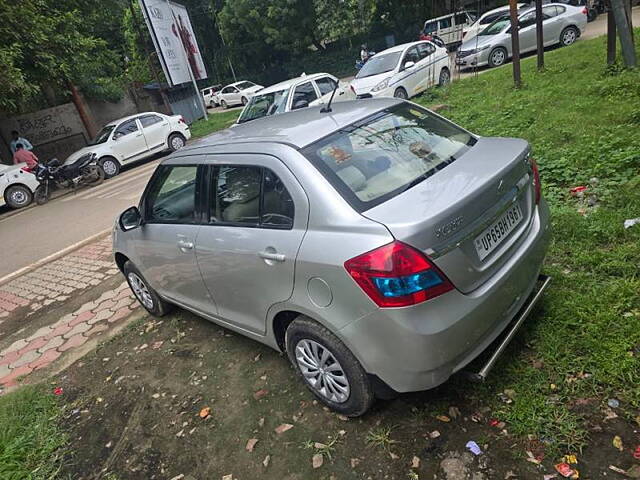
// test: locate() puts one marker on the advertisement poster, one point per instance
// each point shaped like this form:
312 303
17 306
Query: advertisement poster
175 42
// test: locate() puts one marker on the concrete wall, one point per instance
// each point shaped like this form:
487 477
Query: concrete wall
105 112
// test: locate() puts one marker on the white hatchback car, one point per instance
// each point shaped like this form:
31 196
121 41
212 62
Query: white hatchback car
300 92
403 71
17 186
238 93
134 138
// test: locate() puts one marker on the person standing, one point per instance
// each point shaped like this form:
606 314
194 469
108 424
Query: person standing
21 155
16 138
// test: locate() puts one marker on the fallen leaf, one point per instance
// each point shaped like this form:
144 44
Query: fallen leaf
157 345
257 357
393 456
260 393
205 412
443 418
454 412
617 442
317 460
180 433
342 433
266 461
531 458
355 462
250 444
415 462
178 477
283 428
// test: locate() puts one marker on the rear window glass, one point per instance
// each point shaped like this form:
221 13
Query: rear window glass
377 158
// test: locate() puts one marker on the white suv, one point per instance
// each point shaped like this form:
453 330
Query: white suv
134 138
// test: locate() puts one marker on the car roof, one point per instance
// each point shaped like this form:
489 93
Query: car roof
503 8
444 16
400 48
298 128
291 82
129 117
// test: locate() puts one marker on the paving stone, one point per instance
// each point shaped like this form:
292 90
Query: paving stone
119 314
100 327
101 315
58 330
14 347
52 343
45 359
4 370
80 328
9 357
83 317
25 358
74 341
41 332
106 305
34 344
15 374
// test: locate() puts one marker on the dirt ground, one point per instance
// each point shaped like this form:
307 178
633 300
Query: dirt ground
132 409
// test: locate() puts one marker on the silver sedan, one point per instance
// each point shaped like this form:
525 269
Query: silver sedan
561 24
379 245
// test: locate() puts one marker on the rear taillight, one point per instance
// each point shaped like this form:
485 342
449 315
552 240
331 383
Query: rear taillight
27 169
182 120
536 179
585 11
397 275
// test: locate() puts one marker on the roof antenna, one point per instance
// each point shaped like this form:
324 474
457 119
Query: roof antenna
327 108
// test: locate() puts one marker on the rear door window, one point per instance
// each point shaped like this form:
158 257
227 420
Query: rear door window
149 120
388 153
445 23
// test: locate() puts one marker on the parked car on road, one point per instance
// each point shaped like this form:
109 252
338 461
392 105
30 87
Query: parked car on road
379 245
562 24
17 185
209 95
403 71
134 138
300 92
448 27
238 93
485 19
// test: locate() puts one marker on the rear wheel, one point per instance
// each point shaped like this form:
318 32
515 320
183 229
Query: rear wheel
176 141
328 368
445 77
224 104
18 196
110 166
497 57
568 36
401 93
146 295
94 175
244 100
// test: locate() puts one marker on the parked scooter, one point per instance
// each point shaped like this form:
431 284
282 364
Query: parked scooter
83 172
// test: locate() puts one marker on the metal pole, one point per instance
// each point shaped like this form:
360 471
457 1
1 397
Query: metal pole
539 35
611 36
186 61
515 43
626 40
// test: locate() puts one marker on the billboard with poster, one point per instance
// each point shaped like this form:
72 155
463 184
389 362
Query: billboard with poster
175 42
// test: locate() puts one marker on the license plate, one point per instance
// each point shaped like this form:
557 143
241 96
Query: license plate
495 233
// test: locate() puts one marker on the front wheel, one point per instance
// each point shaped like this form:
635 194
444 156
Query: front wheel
401 93
497 57
110 166
93 176
568 36
42 195
18 196
146 295
328 368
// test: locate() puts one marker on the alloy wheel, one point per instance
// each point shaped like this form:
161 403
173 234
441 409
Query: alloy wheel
498 57
445 78
569 37
322 371
109 167
177 142
140 290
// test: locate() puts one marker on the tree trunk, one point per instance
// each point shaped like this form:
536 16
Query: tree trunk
515 43
624 32
85 116
611 37
539 35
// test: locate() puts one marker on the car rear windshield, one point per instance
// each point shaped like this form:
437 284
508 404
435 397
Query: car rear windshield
264 105
387 153
379 64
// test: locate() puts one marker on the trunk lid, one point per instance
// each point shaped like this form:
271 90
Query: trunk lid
445 214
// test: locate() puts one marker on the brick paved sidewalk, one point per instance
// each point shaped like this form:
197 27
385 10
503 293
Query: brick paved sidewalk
50 286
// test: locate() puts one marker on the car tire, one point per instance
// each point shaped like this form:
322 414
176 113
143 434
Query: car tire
224 104
18 196
176 141
568 36
143 292
401 93
445 77
110 165
244 100
498 57
307 342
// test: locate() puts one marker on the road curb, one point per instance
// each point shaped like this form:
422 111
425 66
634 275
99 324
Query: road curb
53 257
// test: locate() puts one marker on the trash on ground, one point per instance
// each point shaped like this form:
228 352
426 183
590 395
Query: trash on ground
473 447
549 476
205 412
613 402
251 443
260 393
566 471
394 456
443 418
317 460
434 434
636 453
570 459
613 468
617 442
576 191
454 412
266 461
283 428
631 222
532 458
58 391
415 462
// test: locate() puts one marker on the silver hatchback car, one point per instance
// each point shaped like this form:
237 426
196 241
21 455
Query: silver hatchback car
379 245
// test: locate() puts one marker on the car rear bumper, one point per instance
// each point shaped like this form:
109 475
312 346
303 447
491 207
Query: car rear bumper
417 348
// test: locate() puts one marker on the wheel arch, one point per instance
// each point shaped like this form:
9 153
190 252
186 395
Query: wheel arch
17 184
121 259
107 155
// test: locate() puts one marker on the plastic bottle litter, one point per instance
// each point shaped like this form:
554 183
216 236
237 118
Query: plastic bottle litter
473 447
613 403
631 222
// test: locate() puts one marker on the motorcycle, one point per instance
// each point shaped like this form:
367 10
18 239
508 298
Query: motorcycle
51 175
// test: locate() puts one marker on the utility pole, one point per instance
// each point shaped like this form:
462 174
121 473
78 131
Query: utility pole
539 35
515 43
611 36
624 32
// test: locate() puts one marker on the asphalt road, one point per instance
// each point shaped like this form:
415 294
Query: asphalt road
36 232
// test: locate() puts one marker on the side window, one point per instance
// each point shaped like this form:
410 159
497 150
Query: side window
527 20
304 92
489 18
149 120
445 23
126 128
461 18
227 90
251 196
411 56
560 9
425 49
548 12
431 27
325 85
172 195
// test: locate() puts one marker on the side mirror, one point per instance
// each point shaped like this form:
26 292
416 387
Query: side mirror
117 135
299 104
130 219
409 64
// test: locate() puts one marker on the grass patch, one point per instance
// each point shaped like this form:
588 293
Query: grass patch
31 443
217 121
583 122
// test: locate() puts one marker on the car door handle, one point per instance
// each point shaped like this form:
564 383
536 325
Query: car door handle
184 245
276 257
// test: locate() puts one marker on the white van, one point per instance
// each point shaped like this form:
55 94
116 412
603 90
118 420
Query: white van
448 27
